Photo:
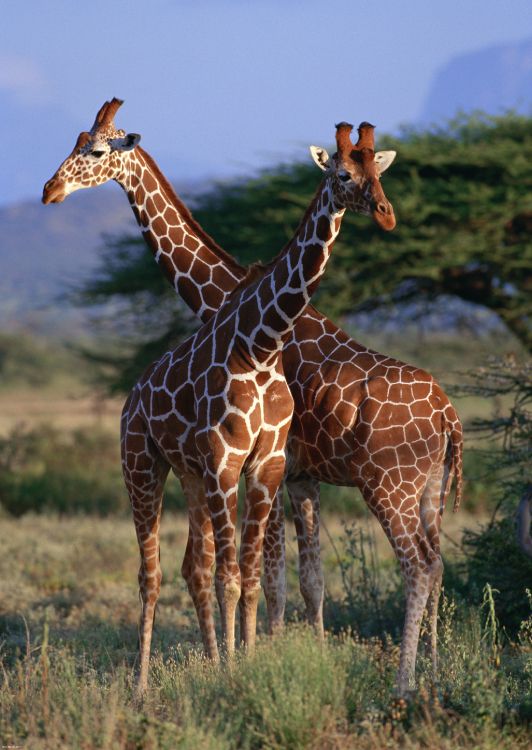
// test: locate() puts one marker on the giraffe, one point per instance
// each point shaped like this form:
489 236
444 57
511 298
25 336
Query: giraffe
219 405
361 418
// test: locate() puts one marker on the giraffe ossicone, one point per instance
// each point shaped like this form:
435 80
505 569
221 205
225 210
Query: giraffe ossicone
360 418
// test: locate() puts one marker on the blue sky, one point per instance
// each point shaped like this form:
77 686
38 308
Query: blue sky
218 87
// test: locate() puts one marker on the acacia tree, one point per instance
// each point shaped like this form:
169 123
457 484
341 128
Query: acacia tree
463 199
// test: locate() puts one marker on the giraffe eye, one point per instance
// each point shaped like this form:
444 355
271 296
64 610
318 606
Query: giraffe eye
344 176
97 154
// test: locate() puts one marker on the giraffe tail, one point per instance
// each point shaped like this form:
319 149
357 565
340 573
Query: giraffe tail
454 455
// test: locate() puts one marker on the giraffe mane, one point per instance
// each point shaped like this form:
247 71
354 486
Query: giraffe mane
254 272
184 211
257 270
308 212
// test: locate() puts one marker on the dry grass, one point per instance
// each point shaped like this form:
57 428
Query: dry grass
68 614
67 408
86 567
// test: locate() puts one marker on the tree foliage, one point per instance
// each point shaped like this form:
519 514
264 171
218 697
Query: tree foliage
492 552
463 200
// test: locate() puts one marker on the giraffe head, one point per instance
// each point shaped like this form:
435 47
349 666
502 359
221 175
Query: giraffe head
96 158
354 173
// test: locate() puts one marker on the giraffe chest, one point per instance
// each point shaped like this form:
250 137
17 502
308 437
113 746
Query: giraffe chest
195 412
242 406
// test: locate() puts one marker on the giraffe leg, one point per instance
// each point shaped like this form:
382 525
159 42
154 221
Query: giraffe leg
262 486
432 616
399 514
275 565
222 496
432 505
419 585
145 473
305 499
199 560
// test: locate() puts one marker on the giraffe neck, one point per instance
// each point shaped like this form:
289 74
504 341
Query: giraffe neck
199 270
272 306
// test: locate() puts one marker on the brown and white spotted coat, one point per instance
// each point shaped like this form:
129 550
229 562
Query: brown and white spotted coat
361 418
218 406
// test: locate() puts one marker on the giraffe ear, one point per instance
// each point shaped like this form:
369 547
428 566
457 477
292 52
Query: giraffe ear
127 143
320 157
383 159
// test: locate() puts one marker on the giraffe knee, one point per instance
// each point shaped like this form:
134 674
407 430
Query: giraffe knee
436 569
421 578
250 594
197 579
227 589
150 583
198 560
311 585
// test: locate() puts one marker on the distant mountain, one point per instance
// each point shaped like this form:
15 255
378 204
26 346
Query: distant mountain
493 79
46 249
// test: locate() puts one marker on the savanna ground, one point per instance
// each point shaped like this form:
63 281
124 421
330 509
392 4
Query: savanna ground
69 604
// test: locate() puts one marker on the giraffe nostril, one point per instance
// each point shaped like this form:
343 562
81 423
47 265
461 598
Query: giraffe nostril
53 191
382 208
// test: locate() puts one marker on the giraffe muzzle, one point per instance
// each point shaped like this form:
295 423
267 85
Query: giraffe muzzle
384 216
53 192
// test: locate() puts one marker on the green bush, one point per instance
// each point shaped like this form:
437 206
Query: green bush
492 554
481 493
69 491
31 361
46 469
372 601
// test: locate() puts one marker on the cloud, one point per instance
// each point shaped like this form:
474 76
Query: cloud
22 77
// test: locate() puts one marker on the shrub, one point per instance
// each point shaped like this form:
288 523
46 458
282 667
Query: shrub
372 594
30 360
492 553
45 469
